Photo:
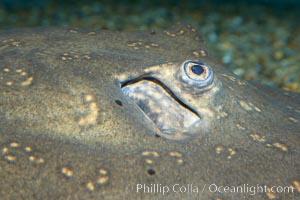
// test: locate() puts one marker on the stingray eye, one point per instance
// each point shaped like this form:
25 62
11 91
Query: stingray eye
197 73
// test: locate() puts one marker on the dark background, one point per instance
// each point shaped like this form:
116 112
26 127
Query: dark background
257 39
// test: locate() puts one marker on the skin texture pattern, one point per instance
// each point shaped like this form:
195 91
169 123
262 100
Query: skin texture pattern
138 115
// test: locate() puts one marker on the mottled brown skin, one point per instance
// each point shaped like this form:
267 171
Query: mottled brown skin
68 132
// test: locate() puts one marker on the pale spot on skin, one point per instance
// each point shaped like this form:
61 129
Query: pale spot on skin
231 78
257 137
245 105
195 53
255 108
4 47
6 70
17 77
32 158
230 88
10 158
180 32
240 127
271 195
132 44
15 43
9 83
103 171
296 184
9 42
28 149
103 176
219 149
221 113
36 160
88 57
179 161
177 155
14 144
122 77
40 161
73 55
103 180
4 150
150 153
170 34
149 161
27 82
73 31
280 146
91 117
203 53
231 153
23 73
94 109
241 83
90 186
89 97
138 45
154 45
293 119
67 172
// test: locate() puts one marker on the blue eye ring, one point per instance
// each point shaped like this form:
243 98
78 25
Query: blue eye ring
197 73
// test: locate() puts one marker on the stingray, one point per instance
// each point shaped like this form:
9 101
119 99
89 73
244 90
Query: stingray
138 115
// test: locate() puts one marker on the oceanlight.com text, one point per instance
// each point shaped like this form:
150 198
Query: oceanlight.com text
212 188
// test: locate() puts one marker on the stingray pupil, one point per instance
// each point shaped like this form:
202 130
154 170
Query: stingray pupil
197 69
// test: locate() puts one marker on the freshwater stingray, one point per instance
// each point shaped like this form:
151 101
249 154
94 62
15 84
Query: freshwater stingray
138 115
